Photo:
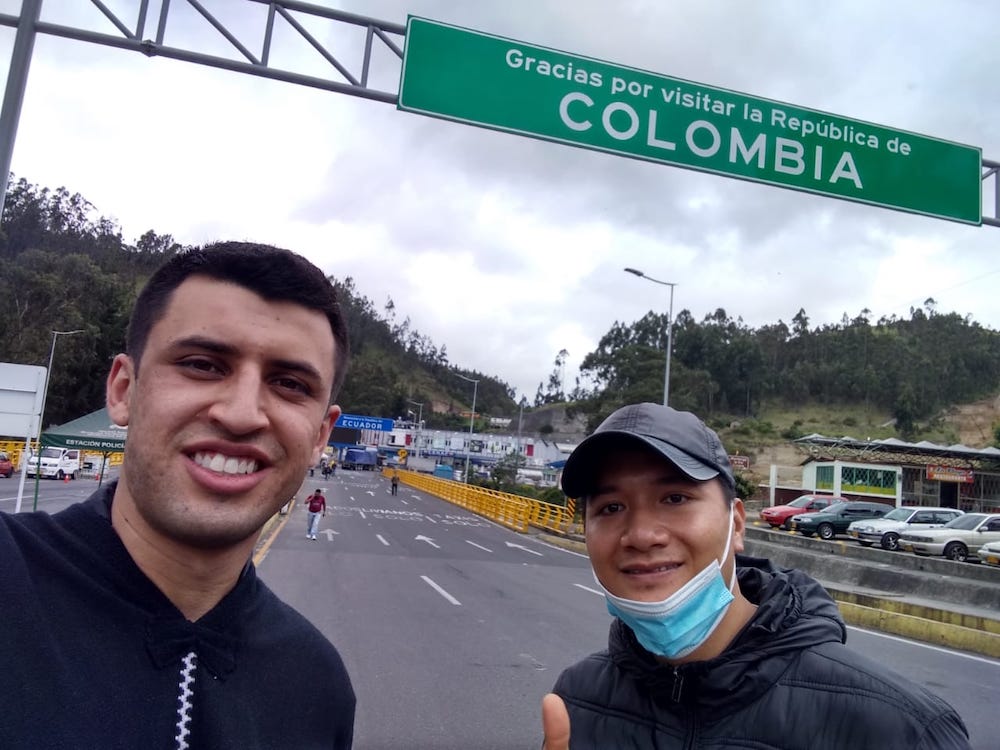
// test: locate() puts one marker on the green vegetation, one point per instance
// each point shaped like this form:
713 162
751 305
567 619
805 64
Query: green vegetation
65 268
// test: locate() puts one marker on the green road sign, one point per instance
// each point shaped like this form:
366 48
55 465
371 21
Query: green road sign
481 79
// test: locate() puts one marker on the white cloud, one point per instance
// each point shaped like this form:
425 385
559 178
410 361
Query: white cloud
507 249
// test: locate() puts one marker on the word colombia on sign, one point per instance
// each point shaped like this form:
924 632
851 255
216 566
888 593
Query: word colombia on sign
472 77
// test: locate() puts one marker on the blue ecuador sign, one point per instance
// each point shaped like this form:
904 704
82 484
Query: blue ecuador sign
356 422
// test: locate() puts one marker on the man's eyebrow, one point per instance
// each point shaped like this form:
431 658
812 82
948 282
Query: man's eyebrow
221 347
603 487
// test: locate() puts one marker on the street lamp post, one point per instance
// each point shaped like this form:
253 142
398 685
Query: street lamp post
472 421
520 417
670 328
420 421
41 416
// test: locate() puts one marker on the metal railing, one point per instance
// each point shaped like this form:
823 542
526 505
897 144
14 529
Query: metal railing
513 511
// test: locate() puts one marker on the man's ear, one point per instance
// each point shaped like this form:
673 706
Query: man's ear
325 428
118 391
739 524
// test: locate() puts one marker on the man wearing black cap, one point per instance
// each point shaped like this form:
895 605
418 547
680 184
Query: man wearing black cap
707 650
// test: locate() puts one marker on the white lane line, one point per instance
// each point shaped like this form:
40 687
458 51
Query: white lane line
522 547
587 588
560 549
381 539
403 502
908 642
362 512
441 591
485 549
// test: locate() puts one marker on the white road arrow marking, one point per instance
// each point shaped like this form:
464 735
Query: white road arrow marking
382 539
485 549
430 541
521 546
330 533
371 492
441 591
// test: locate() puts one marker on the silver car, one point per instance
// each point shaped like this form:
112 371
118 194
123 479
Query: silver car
989 554
887 530
956 540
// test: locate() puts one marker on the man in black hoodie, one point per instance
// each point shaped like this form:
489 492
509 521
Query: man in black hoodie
707 649
136 619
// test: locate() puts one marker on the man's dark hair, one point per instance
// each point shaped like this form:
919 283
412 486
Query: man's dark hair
273 273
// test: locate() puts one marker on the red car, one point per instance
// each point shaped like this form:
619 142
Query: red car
779 514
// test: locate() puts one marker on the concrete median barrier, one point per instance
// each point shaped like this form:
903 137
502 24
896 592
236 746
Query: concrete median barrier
958 608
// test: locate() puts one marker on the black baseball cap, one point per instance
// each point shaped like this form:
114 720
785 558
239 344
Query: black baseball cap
678 436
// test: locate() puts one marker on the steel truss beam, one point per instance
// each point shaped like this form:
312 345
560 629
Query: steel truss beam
377 34
991 171
344 81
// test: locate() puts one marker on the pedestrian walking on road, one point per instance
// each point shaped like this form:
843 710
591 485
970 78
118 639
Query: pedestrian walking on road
316 505
395 481
709 648
149 627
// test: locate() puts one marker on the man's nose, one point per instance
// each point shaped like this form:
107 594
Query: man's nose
239 406
645 529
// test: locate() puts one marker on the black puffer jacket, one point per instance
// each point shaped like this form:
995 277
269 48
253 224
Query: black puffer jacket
787 681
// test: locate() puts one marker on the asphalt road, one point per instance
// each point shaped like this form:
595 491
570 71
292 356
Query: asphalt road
53 495
453 627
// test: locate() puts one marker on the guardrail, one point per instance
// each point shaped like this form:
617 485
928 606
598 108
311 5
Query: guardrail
513 511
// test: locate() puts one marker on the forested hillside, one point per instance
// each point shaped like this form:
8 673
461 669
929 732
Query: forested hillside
908 367
65 267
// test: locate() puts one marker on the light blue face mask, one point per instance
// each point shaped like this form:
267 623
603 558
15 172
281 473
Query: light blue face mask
684 620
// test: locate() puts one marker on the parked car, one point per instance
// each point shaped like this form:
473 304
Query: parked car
886 530
834 520
957 539
989 553
6 466
778 515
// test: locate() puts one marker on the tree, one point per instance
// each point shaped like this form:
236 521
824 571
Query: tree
904 411
554 390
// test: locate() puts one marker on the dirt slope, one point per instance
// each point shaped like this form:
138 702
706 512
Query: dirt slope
975 422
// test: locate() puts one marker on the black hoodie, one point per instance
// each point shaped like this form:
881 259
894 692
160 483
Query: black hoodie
93 655
787 682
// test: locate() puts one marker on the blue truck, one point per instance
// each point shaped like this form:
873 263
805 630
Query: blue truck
359 458
444 471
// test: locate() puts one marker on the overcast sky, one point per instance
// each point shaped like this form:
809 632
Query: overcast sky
507 249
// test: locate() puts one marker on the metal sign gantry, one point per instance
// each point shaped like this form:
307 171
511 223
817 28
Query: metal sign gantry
133 36
342 79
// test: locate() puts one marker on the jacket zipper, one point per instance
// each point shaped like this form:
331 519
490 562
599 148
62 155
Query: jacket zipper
677 687
676 691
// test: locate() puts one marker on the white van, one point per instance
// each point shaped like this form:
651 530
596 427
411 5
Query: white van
57 463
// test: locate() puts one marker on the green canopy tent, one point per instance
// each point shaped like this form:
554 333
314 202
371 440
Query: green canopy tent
92 432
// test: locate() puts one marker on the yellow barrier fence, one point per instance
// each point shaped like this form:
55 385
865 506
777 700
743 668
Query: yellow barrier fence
513 511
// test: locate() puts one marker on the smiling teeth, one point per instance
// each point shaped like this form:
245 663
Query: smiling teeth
223 464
